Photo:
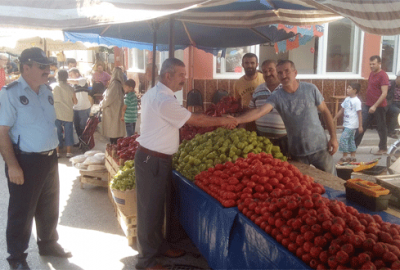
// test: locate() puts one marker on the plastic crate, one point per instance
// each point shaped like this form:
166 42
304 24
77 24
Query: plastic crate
372 203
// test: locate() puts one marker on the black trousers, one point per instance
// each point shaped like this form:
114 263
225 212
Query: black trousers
380 118
153 183
37 198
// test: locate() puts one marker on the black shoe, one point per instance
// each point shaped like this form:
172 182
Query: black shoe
19 265
54 250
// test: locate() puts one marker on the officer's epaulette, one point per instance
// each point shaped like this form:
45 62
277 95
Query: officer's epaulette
11 85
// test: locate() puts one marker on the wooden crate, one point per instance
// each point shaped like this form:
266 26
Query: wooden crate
128 226
111 164
96 178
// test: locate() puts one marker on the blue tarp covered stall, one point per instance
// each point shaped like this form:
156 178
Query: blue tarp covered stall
228 239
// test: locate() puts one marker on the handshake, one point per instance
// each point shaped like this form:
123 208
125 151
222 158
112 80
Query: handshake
229 122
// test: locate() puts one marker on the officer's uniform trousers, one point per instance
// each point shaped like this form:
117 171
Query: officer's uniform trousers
37 198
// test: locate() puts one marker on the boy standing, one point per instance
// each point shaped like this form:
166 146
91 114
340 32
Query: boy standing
129 110
352 120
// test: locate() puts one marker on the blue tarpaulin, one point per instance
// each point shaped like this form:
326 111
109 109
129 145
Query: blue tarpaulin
228 239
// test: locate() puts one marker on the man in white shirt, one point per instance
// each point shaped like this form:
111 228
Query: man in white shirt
162 116
82 108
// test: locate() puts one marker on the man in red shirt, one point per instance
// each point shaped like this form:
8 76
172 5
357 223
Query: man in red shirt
375 104
3 64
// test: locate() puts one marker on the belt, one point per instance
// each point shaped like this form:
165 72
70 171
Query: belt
154 153
45 153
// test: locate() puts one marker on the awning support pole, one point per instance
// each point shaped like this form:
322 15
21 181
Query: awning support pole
171 37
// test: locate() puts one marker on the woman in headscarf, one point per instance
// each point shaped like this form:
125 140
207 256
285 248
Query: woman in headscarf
112 103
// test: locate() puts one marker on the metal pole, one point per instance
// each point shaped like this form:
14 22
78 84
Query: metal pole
171 37
153 68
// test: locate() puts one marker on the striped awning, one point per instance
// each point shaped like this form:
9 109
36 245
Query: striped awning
72 14
374 16
380 17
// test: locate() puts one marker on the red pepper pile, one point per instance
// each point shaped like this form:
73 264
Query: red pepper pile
126 147
226 105
187 132
324 233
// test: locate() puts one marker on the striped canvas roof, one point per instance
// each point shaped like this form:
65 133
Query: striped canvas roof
72 14
373 16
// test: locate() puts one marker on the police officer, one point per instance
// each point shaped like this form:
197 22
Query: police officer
28 138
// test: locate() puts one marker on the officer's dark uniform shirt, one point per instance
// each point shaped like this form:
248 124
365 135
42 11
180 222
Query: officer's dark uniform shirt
29 115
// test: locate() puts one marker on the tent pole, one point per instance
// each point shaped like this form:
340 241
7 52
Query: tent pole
171 37
153 68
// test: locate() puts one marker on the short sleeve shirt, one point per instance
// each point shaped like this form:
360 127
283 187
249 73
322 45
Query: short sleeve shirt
271 123
351 106
30 116
2 77
300 114
374 90
102 77
131 112
244 89
161 118
63 94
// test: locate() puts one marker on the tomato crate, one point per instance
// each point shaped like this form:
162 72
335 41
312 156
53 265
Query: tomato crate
96 178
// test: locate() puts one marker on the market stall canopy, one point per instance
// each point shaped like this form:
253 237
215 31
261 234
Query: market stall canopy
70 14
46 44
214 27
373 16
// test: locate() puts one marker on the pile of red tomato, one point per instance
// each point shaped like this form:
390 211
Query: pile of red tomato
259 176
324 233
126 147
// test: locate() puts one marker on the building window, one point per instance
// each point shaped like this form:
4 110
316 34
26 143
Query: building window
343 46
228 63
137 59
336 54
390 53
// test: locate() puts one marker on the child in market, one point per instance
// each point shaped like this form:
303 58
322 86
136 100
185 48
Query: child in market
129 110
352 120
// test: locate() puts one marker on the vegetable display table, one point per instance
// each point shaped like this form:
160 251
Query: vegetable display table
229 240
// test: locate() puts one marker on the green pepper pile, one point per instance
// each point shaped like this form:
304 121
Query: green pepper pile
217 147
124 179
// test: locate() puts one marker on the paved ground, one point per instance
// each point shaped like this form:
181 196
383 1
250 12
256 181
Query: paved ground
88 226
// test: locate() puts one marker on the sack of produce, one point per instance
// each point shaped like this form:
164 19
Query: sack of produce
93 161
96 168
100 155
80 166
77 159
92 153
123 189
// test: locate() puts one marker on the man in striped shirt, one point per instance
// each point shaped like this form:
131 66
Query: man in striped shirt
270 125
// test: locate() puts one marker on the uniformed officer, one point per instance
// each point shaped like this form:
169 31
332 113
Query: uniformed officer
28 138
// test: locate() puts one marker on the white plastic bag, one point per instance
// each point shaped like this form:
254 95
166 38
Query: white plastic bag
92 153
96 168
77 159
94 161
80 166
103 155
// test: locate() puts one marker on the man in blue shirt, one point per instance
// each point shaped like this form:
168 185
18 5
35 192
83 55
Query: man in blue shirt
28 139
